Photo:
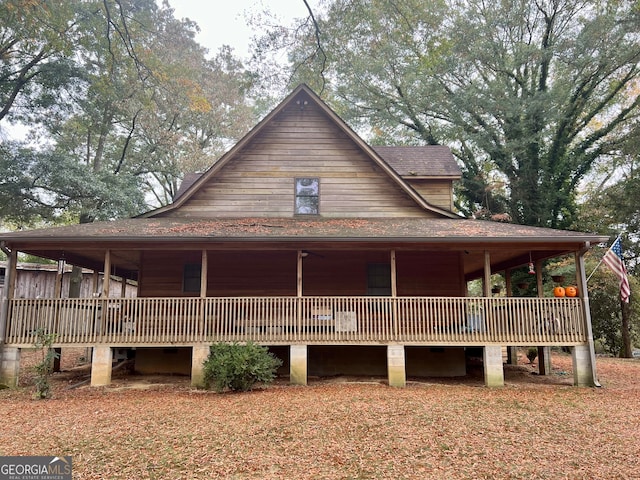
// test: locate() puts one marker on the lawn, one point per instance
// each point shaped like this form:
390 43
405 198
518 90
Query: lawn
343 428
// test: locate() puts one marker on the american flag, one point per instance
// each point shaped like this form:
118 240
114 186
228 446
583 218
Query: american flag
613 258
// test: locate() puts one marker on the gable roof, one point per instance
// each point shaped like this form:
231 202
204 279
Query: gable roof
188 192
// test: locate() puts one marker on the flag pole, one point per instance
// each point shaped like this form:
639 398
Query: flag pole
600 262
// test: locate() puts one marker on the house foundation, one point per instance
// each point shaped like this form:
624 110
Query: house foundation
396 370
493 369
9 366
199 355
298 364
101 366
582 368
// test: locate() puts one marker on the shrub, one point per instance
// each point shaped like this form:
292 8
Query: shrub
239 367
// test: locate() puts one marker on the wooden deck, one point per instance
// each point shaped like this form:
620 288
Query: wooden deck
299 320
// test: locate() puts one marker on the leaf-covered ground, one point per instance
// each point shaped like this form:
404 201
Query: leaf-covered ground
159 427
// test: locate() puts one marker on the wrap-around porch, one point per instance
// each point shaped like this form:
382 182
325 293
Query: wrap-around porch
413 297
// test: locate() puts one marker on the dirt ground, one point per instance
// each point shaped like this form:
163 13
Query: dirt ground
157 427
76 371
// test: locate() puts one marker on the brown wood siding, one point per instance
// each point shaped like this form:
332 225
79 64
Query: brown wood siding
161 273
229 273
338 273
437 192
260 180
429 274
252 274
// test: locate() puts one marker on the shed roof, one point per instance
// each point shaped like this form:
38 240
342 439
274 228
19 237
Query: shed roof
420 161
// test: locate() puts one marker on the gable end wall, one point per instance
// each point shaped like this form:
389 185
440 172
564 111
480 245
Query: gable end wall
259 180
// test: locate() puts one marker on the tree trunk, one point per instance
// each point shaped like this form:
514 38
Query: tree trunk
625 351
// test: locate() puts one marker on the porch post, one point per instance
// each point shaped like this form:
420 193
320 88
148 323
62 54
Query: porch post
544 353
8 291
203 274
9 356
298 364
394 279
486 283
107 274
57 289
512 352
396 371
199 355
493 370
101 365
584 356
299 274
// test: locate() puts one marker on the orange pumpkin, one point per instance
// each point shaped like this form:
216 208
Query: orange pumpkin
571 291
558 292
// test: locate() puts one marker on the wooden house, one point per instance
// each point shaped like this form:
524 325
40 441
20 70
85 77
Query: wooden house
341 257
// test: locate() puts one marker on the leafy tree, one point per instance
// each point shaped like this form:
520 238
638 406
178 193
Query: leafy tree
529 95
120 101
606 313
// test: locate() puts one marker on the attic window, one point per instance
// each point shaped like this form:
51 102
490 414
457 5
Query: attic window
307 196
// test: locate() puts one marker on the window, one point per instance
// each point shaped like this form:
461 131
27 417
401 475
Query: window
2 275
307 196
379 279
191 277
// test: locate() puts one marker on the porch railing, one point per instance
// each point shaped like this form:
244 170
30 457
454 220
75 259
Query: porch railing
285 320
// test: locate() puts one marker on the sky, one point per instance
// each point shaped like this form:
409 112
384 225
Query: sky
222 22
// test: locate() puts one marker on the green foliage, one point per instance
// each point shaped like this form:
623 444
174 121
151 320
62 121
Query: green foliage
529 95
43 369
239 367
118 102
606 312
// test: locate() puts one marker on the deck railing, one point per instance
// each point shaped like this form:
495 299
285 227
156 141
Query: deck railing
286 320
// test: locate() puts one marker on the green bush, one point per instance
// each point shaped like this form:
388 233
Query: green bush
239 367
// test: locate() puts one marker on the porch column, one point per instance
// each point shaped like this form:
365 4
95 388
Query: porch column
203 274
512 352
299 274
9 366
298 364
544 353
8 291
396 371
101 365
486 281
586 361
107 274
199 355
493 370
